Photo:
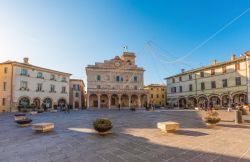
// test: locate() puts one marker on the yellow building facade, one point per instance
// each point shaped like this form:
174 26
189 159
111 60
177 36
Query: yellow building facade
157 94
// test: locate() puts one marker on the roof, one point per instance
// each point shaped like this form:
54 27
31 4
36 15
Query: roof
212 66
33 66
79 80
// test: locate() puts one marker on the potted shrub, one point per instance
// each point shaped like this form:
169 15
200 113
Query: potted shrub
102 125
24 122
212 118
242 110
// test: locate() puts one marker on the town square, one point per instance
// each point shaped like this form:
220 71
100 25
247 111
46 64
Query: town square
124 81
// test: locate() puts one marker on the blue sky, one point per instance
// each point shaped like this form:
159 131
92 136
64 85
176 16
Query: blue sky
67 35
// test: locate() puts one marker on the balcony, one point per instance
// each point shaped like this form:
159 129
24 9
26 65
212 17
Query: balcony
24 89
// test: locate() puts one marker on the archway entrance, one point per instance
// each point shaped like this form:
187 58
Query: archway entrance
239 98
144 100
215 102
104 101
182 103
47 103
61 102
93 100
134 101
24 102
225 100
36 102
124 101
203 102
192 102
77 104
114 100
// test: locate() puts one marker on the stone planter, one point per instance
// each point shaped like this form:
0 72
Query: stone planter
24 123
102 126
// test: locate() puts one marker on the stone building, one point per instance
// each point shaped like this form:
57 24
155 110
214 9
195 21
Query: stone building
77 93
116 82
157 94
221 84
23 84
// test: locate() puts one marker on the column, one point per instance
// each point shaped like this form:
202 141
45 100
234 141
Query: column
129 101
119 100
139 101
109 99
88 101
99 101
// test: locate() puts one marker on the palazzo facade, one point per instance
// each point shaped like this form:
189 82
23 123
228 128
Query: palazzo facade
116 82
23 85
221 85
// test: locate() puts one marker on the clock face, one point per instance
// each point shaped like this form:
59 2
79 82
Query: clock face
117 64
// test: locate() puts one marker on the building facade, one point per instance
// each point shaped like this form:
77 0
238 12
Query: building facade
77 93
23 84
219 85
116 82
157 94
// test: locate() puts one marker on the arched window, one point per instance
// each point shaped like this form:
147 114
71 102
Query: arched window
117 78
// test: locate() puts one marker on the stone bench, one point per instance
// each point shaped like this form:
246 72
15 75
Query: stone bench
43 127
168 126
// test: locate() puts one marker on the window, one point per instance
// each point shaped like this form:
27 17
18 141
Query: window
4 86
180 78
224 69
224 82
117 78
39 75
162 96
76 94
24 85
135 78
157 95
162 89
202 74
52 77
212 71
63 89
98 87
203 86
39 87
63 79
76 87
23 72
173 89
151 89
3 102
180 88
190 87
135 87
5 70
152 95
98 77
238 81
173 80
190 76
52 88
213 84
237 66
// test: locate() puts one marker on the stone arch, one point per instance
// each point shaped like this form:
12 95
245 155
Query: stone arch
76 104
202 101
134 101
192 101
104 101
182 102
62 101
93 100
214 100
24 101
37 102
144 100
114 100
239 98
47 102
124 100
225 100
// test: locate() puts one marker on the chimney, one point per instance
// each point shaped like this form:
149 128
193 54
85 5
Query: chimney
214 62
182 70
232 57
26 60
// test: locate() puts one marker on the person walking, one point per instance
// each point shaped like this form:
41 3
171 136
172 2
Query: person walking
119 107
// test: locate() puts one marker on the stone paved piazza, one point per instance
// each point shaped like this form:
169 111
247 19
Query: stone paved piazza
134 138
